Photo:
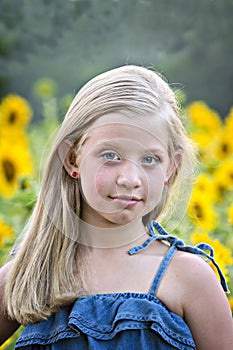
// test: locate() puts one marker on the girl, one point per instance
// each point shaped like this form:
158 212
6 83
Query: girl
94 270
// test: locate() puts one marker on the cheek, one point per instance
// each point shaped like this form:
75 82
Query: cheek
104 180
97 179
87 177
155 186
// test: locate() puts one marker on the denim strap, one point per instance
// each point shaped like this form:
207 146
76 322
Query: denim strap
162 269
202 249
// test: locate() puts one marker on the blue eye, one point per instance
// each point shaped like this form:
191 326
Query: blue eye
110 156
151 160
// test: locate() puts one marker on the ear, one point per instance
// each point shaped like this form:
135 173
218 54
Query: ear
68 157
174 164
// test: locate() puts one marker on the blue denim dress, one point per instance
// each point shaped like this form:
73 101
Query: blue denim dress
121 320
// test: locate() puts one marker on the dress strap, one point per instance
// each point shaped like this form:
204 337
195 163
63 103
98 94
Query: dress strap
202 249
162 269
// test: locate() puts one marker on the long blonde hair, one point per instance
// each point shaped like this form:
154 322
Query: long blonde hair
47 271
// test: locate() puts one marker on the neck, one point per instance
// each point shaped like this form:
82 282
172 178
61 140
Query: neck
110 237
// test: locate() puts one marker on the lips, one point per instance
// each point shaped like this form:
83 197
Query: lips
125 197
125 200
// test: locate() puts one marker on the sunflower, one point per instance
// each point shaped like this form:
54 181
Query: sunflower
225 144
207 144
200 211
15 162
6 233
222 254
231 303
14 138
202 117
15 112
204 184
223 177
229 120
201 138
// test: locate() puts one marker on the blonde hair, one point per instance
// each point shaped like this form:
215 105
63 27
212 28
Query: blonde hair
48 269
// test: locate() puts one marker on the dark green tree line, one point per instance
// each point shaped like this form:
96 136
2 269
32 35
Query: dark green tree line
189 41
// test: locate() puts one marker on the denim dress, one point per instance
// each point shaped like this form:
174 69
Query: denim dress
120 320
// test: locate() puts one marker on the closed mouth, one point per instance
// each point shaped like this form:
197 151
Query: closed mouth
126 198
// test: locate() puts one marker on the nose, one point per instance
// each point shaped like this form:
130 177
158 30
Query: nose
129 175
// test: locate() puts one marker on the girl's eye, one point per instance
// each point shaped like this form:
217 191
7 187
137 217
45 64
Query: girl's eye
110 156
151 160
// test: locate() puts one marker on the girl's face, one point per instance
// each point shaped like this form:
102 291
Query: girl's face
123 164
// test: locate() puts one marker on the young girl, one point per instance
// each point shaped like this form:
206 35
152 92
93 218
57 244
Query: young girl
94 269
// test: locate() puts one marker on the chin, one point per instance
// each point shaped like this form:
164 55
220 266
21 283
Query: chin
122 219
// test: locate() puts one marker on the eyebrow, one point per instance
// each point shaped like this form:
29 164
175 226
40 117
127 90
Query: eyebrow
112 144
156 150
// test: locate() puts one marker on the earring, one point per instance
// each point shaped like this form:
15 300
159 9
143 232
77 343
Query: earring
165 183
74 174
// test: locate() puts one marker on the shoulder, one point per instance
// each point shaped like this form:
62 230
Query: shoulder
194 274
204 304
192 266
198 297
189 276
185 266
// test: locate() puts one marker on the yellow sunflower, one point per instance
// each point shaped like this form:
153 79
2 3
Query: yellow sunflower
222 254
207 144
15 112
229 120
223 177
231 303
14 138
201 212
201 138
6 233
15 162
204 184
224 147
203 117
220 185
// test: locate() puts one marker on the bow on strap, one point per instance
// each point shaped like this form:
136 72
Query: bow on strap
202 249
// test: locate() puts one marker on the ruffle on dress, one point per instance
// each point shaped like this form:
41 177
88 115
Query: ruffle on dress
104 316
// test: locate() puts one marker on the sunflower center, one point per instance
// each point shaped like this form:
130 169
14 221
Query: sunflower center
198 211
12 117
9 170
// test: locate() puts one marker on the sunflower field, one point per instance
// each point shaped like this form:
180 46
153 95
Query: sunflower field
25 142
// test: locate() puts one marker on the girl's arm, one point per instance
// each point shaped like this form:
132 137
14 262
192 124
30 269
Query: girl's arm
205 305
7 326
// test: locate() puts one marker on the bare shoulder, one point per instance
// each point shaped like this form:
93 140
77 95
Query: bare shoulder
195 275
186 269
204 304
193 266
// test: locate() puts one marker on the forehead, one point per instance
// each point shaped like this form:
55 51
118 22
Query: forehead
147 129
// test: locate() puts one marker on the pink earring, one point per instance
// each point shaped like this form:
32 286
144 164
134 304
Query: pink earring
75 174
165 183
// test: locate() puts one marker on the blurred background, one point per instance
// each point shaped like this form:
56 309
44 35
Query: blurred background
188 41
49 49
